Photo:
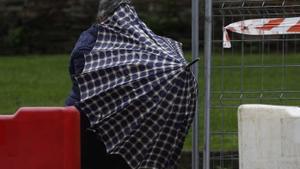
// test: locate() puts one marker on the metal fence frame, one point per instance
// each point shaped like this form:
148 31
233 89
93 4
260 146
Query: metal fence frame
217 101
195 55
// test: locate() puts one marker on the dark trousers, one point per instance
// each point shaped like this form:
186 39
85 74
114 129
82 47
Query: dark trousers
93 151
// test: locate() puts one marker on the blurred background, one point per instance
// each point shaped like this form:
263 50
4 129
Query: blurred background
52 26
37 36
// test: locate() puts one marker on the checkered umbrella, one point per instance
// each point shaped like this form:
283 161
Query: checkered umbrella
138 92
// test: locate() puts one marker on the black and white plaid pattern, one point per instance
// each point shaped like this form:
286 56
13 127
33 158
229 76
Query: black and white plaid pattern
138 92
107 7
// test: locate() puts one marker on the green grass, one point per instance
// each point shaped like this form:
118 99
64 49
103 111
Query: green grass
264 79
44 81
33 81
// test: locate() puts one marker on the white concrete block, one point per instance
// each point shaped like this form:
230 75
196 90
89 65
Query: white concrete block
269 137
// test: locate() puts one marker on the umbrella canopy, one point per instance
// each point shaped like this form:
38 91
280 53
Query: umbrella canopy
107 7
138 92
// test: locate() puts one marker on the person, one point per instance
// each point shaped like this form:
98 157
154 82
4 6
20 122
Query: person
93 151
126 80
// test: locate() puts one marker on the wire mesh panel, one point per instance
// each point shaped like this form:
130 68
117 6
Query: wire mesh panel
260 69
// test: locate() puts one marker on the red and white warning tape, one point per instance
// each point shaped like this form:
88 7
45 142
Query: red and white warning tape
273 26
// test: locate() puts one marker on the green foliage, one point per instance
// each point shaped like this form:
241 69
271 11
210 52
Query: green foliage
44 26
15 37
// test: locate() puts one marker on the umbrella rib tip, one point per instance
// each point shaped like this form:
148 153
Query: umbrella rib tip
192 63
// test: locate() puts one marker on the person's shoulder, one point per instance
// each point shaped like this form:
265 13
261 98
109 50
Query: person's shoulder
90 33
92 30
86 41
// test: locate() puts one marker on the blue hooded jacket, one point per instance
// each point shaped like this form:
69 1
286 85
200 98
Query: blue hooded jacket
83 46
86 43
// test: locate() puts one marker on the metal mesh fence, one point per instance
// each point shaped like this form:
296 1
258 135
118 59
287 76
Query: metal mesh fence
257 69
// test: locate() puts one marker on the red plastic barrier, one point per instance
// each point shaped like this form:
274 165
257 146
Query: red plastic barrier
40 138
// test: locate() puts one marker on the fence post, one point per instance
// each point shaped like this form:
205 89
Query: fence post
207 65
195 53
